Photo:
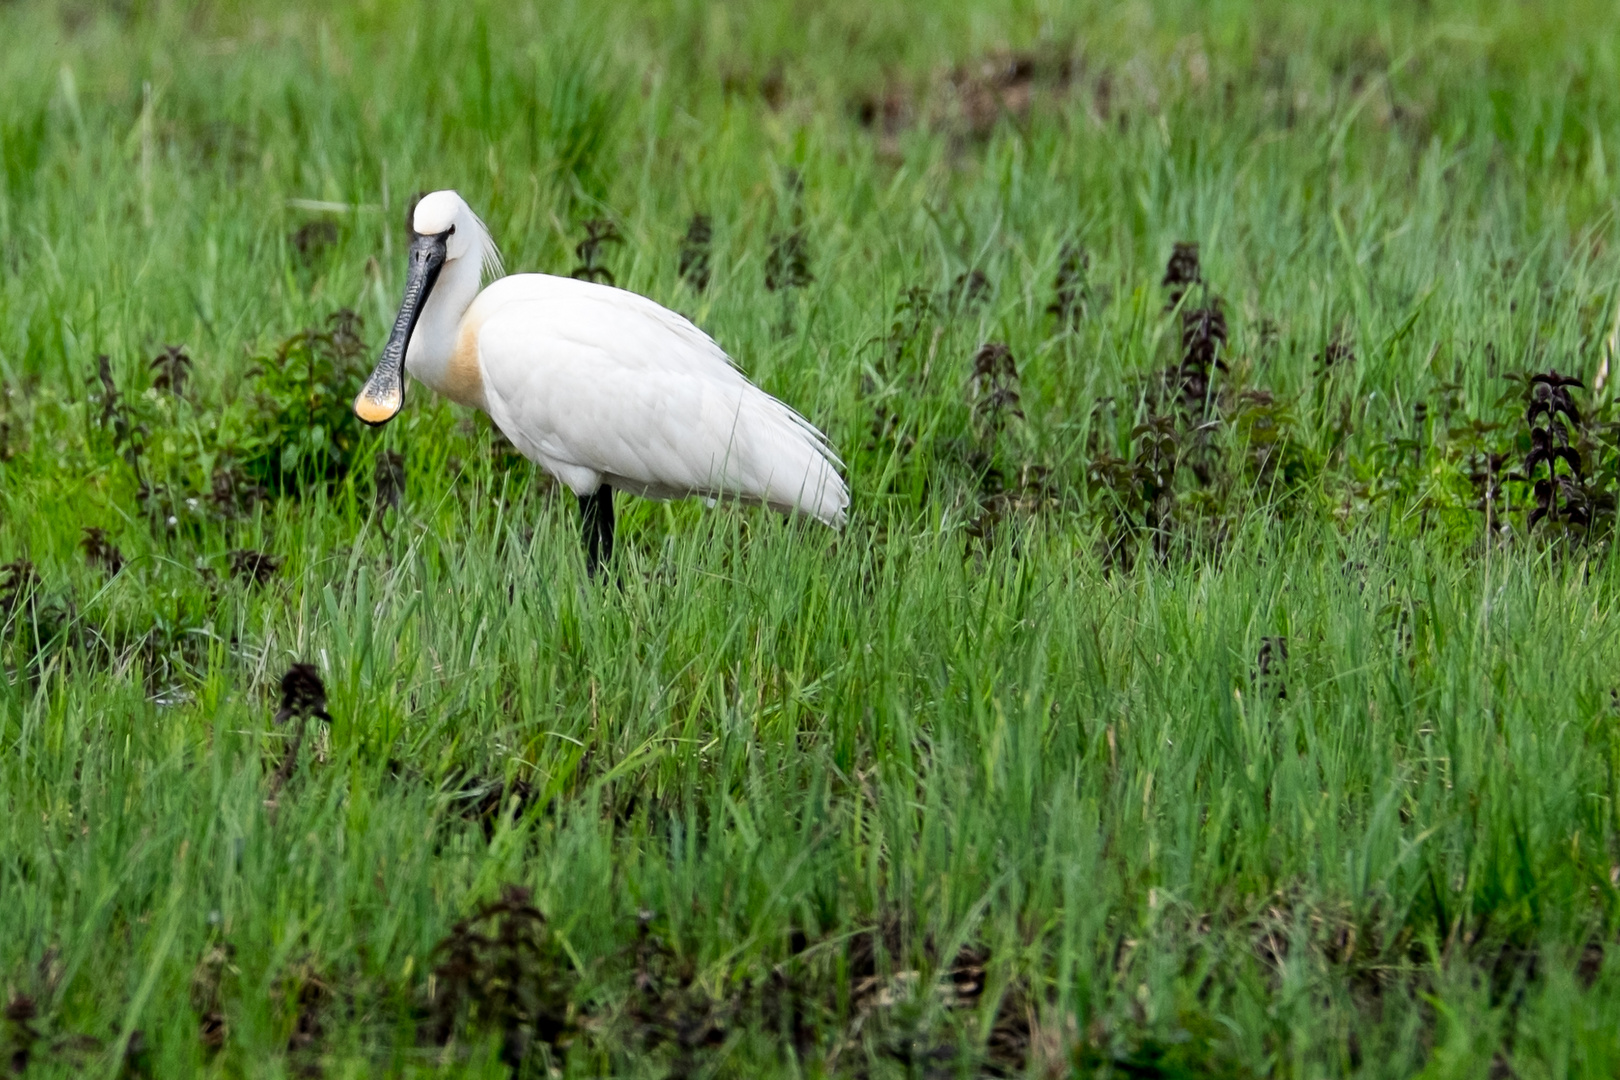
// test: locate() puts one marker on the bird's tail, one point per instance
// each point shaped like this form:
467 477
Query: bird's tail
824 495
801 467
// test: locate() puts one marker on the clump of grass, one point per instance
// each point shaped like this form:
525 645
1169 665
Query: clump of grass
1239 443
19 586
101 552
253 567
303 697
787 264
886 112
11 425
300 432
696 247
1275 462
171 370
312 240
1337 354
208 985
500 971
914 311
1006 482
310 999
599 233
1137 492
1268 667
1552 420
37 625
303 694
388 480
475 797
770 85
994 386
1181 272
115 415
1203 334
999 85
669 1008
970 291
787 267
233 493
21 1034
1072 287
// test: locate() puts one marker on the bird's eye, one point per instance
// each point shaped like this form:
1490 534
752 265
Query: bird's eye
451 231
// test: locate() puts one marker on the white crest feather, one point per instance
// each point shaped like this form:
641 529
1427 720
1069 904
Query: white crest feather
489 256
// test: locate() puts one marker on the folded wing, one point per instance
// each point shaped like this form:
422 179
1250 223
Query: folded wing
601 385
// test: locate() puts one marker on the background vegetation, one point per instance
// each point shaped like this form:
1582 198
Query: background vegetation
1217 675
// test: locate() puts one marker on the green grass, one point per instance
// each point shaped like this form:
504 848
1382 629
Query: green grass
781 795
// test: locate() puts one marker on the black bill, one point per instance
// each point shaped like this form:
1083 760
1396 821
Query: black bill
384 393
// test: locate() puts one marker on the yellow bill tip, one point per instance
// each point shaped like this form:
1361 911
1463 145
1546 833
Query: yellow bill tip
373 411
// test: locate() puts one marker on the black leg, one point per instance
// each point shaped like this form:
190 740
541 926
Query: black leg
596 524
604 526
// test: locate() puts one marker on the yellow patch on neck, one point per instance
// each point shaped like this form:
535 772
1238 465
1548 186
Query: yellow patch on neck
463 376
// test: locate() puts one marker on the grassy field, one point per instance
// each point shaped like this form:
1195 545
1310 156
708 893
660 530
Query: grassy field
1217 677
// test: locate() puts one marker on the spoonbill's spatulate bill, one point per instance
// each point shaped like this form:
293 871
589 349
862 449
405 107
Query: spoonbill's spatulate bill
600 387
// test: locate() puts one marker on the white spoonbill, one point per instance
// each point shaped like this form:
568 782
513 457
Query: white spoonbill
600 387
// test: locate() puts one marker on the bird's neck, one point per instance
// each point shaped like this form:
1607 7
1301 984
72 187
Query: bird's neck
438 356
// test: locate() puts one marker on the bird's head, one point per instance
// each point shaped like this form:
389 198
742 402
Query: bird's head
444 232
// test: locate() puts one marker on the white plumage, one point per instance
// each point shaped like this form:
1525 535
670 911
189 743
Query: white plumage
625 392
598 386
